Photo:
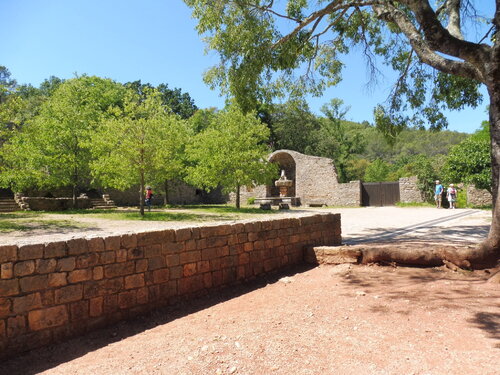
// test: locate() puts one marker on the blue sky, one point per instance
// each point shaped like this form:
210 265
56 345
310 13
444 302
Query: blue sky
153 41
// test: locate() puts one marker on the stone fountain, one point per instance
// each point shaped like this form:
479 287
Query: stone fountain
284 184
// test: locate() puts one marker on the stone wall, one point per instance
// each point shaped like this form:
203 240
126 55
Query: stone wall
315 181
478 197
57 290
179 193
55 204
409 191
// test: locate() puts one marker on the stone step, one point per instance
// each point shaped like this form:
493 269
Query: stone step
331 254
103 207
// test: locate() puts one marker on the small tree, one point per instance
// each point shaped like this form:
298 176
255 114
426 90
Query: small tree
470 162
135 145
231 153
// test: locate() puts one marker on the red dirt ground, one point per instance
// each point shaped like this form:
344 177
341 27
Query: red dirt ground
325 320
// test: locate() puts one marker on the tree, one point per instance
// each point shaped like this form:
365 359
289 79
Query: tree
470 162
138 143
177 102
334 140
53 150
293 125
231 153
263 45
377 171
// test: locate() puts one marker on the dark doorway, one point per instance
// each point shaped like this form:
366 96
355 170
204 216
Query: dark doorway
379 193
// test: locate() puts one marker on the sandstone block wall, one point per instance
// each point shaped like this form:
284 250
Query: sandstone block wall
409 191
56 290
55 204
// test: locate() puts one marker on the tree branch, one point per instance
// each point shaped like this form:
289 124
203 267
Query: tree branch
424 50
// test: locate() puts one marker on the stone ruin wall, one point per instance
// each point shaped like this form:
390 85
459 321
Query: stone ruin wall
53 291
409 191
478 197
316 181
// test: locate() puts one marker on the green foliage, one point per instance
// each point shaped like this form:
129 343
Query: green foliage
335 140
251 200
377 171
470 161
53 149
230 153
140 142
294 126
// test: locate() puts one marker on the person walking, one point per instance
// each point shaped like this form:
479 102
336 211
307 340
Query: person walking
451 195
149 197
438 192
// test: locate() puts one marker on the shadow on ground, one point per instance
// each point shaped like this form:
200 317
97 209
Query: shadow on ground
45 358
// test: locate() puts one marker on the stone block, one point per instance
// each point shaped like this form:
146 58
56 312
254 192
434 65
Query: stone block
135 281
5 307
156 263
16 325
77 276
28 252
128 241
151 251
121 255
45 265
48 298
112 243
119 269
176 272
189 269
99 288
150 238
331 255
183 234
173 260
55 249
141 265
34 283
135 253
95 244
48 318
127 299
26 303
57 279
248 246
70 293
7 270
8 254
172 247
209 254
77 246
79 310
87 260
160 276
142 295
189 257
98 273
95 306
107 257
207 280
110 304
203 266
66 264
24 268
190 245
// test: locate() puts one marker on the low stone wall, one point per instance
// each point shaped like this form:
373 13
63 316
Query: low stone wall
348 194
409 191
52 291
55 204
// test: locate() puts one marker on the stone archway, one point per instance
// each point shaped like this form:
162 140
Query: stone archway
287 163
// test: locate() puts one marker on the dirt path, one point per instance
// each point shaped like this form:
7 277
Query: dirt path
327 320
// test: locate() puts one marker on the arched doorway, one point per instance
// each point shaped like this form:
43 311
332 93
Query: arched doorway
286 163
